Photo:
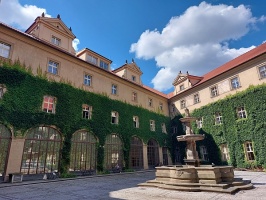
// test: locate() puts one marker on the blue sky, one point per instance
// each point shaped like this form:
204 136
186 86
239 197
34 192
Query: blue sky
162 36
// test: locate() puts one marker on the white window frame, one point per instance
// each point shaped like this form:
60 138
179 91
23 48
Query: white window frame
163 128
152 125
182 103
262 71
134 96
56 41
150 102
53 67
51 102
224 152
86 111
214 91
249 151
104 65
235 84
114 89
218 118
2 91
161 106
87 80
135 121
196 98
204 153
114 117
181 87
199 122
241 113
5 49
92 59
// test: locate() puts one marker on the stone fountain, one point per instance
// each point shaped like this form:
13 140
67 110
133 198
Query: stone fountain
192 154
193 177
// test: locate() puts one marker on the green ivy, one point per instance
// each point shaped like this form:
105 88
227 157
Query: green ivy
233 131
21 105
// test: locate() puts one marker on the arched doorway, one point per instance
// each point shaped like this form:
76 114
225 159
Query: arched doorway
113 152
41 153
136 153
5 139
83 154
153 153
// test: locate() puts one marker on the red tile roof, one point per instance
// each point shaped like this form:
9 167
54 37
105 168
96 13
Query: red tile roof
234 63
253 53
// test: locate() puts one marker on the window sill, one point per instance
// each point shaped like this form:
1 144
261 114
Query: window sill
233 89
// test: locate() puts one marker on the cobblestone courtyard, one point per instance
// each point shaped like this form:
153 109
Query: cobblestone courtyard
121 186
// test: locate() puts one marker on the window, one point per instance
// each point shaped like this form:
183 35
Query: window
114 89
53 67
135 121
241 113
214 91
199 122
134 96
114 117
152 125
49 104
133 78
86 111
249 151
196 98
181 87
235 83
87 79
218 118
150 102
163 128
183 103
204 153
103 65
161 106
92 59
2 91
4 50
55 40
262 71
224 152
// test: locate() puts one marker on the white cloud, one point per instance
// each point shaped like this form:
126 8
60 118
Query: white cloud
196 41
20 16
75 44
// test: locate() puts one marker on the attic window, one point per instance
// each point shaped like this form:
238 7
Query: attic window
133 78
55 40
182 87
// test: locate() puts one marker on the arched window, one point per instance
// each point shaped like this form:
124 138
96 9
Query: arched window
153 153
5 139
41 153
113 152
83 151
136 153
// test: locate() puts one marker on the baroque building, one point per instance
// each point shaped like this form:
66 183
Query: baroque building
126 126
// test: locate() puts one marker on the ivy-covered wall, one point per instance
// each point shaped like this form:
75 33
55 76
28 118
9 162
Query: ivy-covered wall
234 131
21 108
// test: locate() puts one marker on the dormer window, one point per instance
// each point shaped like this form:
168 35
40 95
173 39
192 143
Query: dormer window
181 87
56 41
133 78
104 65
92 59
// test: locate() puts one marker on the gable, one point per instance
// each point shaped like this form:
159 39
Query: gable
133 67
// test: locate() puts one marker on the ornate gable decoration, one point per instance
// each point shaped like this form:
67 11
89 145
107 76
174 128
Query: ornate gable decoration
133 67
55 24
180 78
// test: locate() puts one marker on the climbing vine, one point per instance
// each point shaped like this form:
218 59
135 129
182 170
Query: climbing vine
21 106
